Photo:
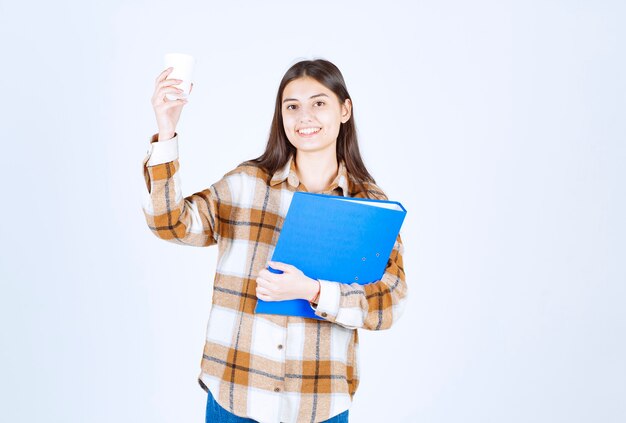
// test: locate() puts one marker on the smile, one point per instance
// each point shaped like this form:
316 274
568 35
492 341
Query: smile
308 131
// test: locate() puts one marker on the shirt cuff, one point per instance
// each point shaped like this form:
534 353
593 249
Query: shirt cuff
162 151
328 303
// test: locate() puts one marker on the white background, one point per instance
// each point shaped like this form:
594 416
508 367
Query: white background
499 125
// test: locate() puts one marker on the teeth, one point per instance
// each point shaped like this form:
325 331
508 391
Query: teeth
308 131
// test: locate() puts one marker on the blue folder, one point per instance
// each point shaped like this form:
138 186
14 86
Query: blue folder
334 238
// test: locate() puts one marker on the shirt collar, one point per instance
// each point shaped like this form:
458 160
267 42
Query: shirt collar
288 172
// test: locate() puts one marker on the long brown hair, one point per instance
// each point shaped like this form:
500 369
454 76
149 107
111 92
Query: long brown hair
279 149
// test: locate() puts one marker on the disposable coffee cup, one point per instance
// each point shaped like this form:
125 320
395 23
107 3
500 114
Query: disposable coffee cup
183 65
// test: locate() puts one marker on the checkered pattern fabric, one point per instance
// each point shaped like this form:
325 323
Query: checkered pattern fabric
269 368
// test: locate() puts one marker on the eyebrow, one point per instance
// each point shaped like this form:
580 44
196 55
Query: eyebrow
313 96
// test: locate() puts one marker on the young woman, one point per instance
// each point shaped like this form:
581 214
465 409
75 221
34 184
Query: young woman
271 368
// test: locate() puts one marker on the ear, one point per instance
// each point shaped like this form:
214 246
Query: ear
346 110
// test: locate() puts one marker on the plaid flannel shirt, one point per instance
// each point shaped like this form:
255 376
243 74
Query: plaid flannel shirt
269 368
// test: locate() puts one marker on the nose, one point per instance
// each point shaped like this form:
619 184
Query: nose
305 114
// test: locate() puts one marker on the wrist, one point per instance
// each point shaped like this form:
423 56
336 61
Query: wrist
315 293
164 136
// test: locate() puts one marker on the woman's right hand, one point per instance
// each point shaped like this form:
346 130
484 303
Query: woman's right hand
167 111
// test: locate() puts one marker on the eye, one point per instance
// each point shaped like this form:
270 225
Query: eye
317 102
288 107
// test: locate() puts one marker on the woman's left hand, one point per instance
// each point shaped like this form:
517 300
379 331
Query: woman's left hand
290 285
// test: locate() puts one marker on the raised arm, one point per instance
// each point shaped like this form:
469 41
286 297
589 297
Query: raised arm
188 221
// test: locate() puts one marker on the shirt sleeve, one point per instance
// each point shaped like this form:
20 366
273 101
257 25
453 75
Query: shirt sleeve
373 306
190 220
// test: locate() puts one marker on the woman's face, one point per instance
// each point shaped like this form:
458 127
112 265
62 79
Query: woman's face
312 115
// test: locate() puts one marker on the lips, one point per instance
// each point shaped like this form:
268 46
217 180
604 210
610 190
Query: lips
310 131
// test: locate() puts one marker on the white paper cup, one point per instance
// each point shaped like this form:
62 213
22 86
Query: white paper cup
183 65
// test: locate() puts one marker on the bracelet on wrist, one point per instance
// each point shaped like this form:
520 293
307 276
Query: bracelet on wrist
317 295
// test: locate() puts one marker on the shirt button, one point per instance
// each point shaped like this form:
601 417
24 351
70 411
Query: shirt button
280 346
324 314
276 389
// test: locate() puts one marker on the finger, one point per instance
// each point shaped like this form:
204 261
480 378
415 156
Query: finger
266 274
270 276
262 283
160 92
159 96
264 295
281 266
163 75
262 291
169 83
163 100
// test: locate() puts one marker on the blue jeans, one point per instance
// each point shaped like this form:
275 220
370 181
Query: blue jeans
216 414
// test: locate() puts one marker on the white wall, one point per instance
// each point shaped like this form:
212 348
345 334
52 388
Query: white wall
499 125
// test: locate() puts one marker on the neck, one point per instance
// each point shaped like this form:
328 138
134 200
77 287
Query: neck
316 170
